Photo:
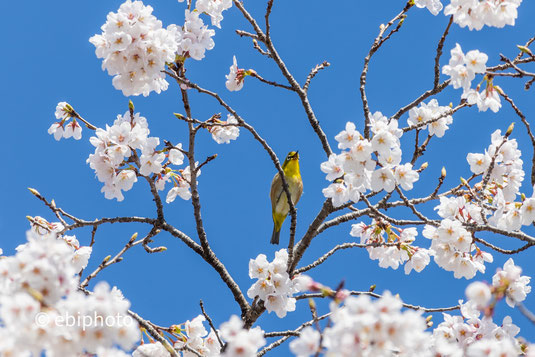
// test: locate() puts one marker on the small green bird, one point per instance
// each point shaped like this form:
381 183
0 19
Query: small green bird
279 201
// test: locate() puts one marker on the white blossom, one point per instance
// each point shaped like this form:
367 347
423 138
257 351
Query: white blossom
434 6
235 78
479 293
273 286
516 286
135 47
365 328
194 38
225 131
307 344
241 342
476 14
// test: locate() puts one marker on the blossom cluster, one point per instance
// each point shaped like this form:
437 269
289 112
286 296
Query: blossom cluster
354 169
500 187
80 254
63 128
214 9
242 342
135 47
462 70
474 337
434 6
395 248
364 328
193 340
38 295
475 13
491 201
431 116
194 38
273 286
453 249
117 163
223 131
507 282
196 338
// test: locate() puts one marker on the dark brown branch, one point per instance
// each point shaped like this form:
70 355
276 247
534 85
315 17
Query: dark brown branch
311 232
342 246
268 12
287 334
271 83
263 142
378 296
155 334
501 250
439 53
211 323
528 129
420 99
207 253
379 40
291 80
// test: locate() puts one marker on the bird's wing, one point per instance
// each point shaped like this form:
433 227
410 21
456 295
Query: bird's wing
298 192
276 190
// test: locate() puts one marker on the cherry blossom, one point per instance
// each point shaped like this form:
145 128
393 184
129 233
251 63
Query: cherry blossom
476 14
273 286
135 47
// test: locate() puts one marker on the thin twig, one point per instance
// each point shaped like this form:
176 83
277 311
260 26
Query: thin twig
286 335
439 53
527 313
211 324
421 98
501 250
378 296
271 83
313 73
528 129
379 40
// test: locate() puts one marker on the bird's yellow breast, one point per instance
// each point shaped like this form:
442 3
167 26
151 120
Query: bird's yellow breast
291 169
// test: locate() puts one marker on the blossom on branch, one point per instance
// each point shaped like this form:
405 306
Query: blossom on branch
194 38
241 342
235 78
41 309
62 128
434 6
431 116
273 286
515 287
475 13
213 8
395 248
223 131
354 169
365 328
135 47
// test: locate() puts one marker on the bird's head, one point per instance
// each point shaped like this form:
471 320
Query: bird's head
292 157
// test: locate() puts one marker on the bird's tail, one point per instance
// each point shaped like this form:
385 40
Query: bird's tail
275 236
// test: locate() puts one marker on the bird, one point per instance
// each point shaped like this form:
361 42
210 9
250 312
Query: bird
279 200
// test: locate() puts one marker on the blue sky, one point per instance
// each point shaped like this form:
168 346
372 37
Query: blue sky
47 59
